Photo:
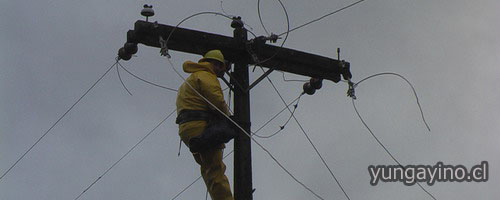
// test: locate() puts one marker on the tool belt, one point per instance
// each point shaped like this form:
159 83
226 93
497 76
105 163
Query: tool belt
194 115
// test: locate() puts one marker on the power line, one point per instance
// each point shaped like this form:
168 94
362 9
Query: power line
121 81
223 11
286 37
272 118
260 17
125 155
196 180
310 142
197 14
58 120
371 132
320 18
409 83
386 150
374 136
146 81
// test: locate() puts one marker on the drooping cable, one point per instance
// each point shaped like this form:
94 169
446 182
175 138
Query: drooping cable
284 40
282 127
58 120
412 88
276 115
246 133
322 17
385 148
121 81
371 132
225 13
260 17
144 80
376 138
126 154
197 14
310 142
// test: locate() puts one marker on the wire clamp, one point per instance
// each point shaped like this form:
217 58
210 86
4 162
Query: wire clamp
163 48
273 38
350 92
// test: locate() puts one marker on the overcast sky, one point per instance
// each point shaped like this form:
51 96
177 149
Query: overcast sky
52 51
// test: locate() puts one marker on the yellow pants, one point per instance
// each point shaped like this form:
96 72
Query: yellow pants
211 166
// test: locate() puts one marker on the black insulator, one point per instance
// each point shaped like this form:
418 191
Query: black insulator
316 83
273 38
346 70
124 55
237 23
130 48
308 89
147 11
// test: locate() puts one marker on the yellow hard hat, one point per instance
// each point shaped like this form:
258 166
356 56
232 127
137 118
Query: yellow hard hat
214 55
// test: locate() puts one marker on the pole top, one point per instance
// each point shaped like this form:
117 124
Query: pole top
147 11
237 23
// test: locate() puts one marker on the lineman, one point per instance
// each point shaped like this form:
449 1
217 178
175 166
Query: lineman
202 128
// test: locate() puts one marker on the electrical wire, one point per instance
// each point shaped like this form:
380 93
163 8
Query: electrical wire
196 180
121 81
246 133
126 154
386 150
310 142
371 132
223 11
283 126
254 133
146 81
272 118
375 137
320 18
58 120
412 88
287 27
260 17
200 13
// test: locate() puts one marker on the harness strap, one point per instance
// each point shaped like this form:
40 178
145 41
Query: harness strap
193 115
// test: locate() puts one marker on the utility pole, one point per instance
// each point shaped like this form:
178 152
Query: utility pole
242 52
242 143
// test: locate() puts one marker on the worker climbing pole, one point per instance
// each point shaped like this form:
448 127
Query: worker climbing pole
242 52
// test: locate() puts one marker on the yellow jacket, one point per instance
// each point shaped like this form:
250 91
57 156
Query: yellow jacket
204 80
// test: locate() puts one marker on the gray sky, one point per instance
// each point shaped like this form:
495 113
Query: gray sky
52 51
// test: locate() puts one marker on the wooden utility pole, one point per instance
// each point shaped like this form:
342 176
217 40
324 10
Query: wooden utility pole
242 148
242 52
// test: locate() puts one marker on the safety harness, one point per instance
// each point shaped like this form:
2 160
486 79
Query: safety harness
218 130
193 115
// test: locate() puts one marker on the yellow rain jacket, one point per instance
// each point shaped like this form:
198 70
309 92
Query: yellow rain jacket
204 80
